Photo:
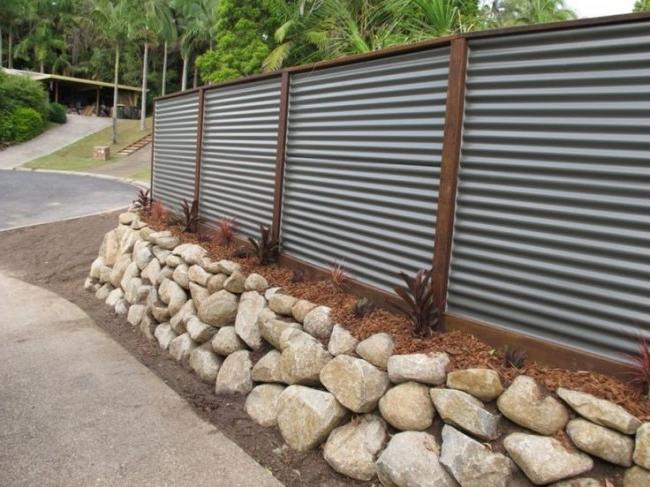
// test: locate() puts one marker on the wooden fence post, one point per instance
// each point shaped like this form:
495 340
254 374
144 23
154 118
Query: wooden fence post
199 144
153 141
449 167
280 154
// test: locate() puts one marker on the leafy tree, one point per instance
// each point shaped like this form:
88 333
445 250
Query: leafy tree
503 13
641 5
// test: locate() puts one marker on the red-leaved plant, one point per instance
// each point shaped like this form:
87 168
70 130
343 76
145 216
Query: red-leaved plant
640 365
338 275
190 217
418 303
143 201
226 229
158 212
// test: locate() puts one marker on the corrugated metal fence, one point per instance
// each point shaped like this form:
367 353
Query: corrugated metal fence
552 226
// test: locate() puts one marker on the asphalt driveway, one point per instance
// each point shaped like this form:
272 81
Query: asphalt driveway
28 198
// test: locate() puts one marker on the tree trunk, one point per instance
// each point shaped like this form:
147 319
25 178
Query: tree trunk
184 80
0 47
195 77
164 73
117 71
10 61
143 96
42 66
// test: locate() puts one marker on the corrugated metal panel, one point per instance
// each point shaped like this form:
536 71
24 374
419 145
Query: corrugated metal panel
238 158
552 236
363 164
174 153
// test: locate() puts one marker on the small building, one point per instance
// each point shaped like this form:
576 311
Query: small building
86 96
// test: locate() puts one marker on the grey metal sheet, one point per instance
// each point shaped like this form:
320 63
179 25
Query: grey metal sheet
238 154
552 234
363 164
174 149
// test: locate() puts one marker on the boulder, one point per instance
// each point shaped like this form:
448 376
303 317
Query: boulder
352 449
181 276
642 446
544 459
105 273
132 291
220 309
582 482
146 233
267 369
173 261
121 307
131 272
179 320
636 477
215 283
341 341
190 253
199 331
318 322
164 334
160 254
228 267
251 304
407 406
103 292
524 403
300 309
210 266
127 218
96 266
181 347
148 326
428 368
159 311
307 416
376 349
262 404
170 292
164 240
483 384
235 283
128 241
166 273
271 330
466 412
599 411
197 274
268 294
119 269
255 282
601 442
205 363
473 464
282 304
302 361
89 284
235 374
114 296
411 459
109 248
226 341
152 272
198 293
355 383
142 255
136 313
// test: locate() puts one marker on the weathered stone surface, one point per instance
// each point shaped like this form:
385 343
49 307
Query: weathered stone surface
642 446
114 296
148 326
96 266
300 309
198 293
473 464
166 273
119 268
411 459
601 442
205 362
151 237
179 320
262 404
103 292
216 282
341 341
146 233
302 361
190 253
466 412
306 416
235 283
199 331
131 271
136 313
105 273
256 282
484 384
173 295
235 374
164 334
407 406
197 274
160 254
142 255
581 482
376 349
220 309
173 261
89 284
159 311
352 449
355 383
428 368
524 403
271 330
132 291
109 248
152 272
127 218
181 276
128 240
226 342
228 267
181 347
599 411
282 304
121 307
267 369
251 305
268 294
164 240
636 477
318 322
544 459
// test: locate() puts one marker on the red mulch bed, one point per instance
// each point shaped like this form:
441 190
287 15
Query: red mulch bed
464 349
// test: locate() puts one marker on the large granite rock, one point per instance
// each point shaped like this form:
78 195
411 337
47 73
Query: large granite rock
255 282
524 403
483 384
355 383
302 361
642 446
636 477
205 363
164 334
216 282
376 349
173 295
181 347
466 412
267 368
601 442
318 322
152 272
272 331
198 274
199 331
544 459
428 368
407 406
226 341
262 404
135 314
117 272
282 304
251 305
341 341
220 309
179 320
307 416
190 253
235 374
235 283
181 276
198 294
301 308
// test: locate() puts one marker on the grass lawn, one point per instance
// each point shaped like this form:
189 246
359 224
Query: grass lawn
144 175
79 155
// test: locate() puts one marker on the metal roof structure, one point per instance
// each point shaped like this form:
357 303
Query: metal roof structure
36 76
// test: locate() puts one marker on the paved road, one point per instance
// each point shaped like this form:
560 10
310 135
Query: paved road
28 197
77 127
77 410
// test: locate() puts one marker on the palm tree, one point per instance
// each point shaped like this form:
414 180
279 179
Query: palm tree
503 13
641 5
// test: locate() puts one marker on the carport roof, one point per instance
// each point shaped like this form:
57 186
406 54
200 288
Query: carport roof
47 76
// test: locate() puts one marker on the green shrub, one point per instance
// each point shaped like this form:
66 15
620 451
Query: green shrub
56 113
6 126
27 123
20 91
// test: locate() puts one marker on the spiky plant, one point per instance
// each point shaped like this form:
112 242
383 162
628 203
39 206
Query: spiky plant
190 217
226 229
363 307
338 275
265 248
514 358
418 304
143 201
640 365
158 212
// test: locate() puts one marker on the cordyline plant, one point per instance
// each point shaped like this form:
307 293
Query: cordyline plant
338 275
363 307
640 365
143 201
190 217
418 303
226 229
265 248
514 358
158 212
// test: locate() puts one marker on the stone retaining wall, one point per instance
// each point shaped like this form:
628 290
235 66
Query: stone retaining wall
371 410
